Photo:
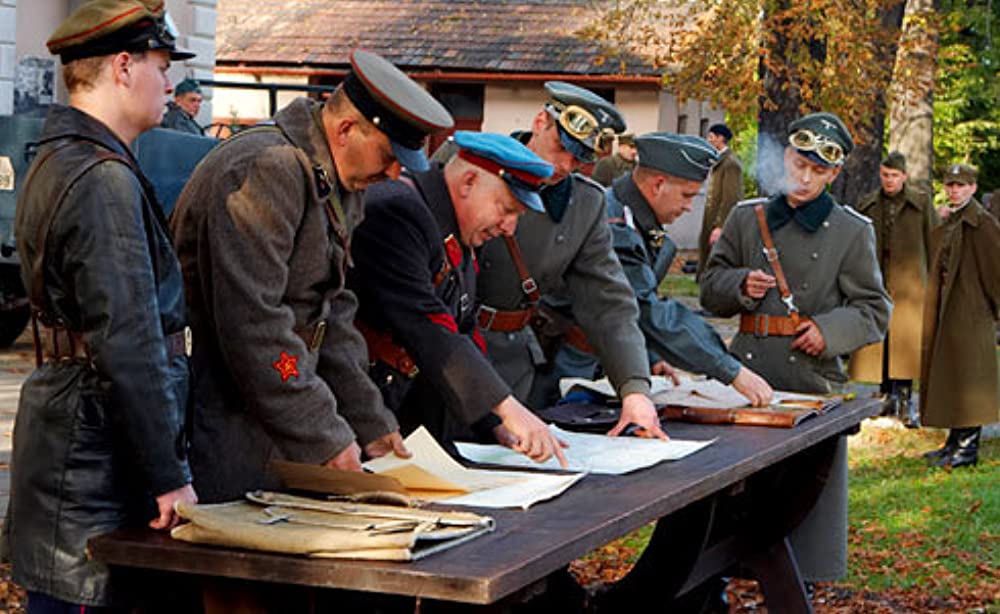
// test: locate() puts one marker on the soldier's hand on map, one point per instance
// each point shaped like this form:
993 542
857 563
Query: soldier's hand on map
638 409
504 437
391 442
348 459
534 439
168 517
809 339
753 387
662 368
757 283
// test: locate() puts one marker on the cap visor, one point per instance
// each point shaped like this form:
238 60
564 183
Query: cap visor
814 157
412 159
580 151
528 198
181 54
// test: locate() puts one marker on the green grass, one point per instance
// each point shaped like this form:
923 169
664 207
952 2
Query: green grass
678 285
918 527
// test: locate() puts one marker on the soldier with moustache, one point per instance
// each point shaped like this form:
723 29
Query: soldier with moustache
565 260
833 303
415 277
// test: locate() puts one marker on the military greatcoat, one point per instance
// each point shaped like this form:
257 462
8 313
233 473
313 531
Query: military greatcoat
416 280
903 224
280 372
725 189
959 381
828 255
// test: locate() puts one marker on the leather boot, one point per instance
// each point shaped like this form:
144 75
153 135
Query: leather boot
946 449
909 413
966 449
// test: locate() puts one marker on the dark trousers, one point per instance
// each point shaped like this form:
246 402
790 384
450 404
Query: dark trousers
40 603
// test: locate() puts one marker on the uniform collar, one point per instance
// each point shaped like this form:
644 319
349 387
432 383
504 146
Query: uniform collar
967 213
555 196
302 122
628 194
809 216
434 192
69 122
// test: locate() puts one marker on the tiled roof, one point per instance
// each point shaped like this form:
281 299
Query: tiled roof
525 36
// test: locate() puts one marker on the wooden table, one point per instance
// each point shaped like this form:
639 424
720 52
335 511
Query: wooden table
730 504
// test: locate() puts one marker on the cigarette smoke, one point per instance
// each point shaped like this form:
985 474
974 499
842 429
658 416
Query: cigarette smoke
769 168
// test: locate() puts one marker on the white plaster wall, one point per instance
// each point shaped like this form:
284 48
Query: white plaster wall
640 108
8 53
508 107
195 20
250 104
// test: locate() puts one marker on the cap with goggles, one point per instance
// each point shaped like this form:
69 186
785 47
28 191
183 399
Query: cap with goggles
822 138
519 167
104 27
587 124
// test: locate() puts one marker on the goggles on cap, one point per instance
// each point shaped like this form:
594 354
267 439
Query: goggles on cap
827 149
579 123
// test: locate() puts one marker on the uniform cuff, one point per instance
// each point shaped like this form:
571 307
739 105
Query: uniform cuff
640 385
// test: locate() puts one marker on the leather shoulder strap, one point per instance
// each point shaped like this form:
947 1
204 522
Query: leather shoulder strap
771 253
528 285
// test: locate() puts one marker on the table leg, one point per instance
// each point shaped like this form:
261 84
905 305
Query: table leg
778 575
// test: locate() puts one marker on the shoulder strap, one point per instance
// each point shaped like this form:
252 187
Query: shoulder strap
771 253
528 285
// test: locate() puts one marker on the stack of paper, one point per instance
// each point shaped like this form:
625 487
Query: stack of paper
432 474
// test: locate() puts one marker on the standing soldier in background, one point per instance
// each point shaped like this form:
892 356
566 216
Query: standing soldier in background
903 219
823 298
567 251
620 163
99 439
183 109
725 189
263 230
959 381
415 277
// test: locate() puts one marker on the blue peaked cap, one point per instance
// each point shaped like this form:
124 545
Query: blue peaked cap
520 168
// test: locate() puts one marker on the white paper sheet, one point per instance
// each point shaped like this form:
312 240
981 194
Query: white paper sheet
591 453
485 488
689 393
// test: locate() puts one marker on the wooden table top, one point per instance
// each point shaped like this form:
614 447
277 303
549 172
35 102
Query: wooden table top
526 546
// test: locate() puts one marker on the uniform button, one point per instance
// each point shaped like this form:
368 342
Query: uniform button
826 224
560 238
749 355
388 378
510 336
805 285
791 359
815 256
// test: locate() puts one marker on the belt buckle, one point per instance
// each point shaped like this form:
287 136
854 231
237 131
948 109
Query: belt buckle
317 337
188 341
529 286
492 316
771 254
758 330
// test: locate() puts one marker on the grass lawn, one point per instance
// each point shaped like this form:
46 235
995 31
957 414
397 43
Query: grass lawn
921 539
678 285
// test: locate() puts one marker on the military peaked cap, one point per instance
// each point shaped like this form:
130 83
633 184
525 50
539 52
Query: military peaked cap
103 27
679 155
961 173
520 168
826 126
895 160
626 139
186 87
584 119
397 106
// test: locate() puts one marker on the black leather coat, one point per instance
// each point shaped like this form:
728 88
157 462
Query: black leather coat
94 442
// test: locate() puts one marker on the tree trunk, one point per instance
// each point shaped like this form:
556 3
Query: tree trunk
911 104
860 173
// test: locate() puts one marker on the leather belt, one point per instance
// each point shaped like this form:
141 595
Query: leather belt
575 337
59 344
764 325
489 318
382 348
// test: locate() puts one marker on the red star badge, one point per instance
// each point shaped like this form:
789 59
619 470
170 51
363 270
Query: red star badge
287 366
